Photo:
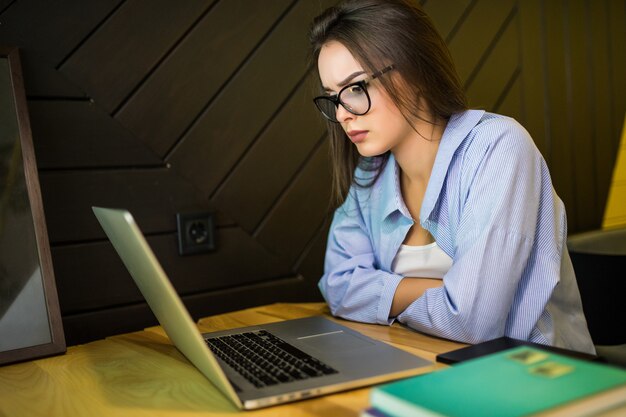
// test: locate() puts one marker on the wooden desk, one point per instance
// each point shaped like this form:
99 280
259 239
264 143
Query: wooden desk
142 374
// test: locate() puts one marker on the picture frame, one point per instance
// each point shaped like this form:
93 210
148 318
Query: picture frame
30 316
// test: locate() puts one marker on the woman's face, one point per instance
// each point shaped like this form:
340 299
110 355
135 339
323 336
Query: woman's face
383 127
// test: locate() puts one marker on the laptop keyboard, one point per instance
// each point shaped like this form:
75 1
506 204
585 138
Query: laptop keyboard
264 359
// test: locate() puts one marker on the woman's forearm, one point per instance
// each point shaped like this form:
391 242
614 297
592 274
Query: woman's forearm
409 290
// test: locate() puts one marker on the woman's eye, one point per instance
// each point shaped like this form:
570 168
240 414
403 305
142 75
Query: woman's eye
355 89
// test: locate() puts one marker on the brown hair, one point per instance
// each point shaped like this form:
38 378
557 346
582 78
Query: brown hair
377 33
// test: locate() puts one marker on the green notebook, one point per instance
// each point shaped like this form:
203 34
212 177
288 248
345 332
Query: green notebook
511 383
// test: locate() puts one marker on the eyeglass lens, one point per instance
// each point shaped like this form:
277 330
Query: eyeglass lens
353 98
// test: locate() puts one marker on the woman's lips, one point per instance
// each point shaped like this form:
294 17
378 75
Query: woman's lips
357 136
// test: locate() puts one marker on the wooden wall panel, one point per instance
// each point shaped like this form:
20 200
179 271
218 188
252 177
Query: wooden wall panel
578 132
97 278
310 262
97 324
153 195
617 53
492 79
47 32
283 141
511 102
300 211
560 155
222 134
117 56
192 75
532 36
48 28
89 132
4 4
604 138
579 101
174 107
479 30
447 15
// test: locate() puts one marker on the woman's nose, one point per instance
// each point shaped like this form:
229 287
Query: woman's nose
342 115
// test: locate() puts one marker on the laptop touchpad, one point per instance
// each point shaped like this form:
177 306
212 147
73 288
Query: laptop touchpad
337 341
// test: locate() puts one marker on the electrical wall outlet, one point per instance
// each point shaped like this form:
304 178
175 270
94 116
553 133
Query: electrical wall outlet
196 233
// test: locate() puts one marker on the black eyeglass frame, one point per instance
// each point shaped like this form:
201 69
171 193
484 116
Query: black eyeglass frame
335 97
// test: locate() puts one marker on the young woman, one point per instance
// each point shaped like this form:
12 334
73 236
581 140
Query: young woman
448 221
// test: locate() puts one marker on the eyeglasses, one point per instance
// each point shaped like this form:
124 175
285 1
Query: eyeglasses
353 97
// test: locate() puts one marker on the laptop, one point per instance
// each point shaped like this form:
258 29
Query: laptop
258 366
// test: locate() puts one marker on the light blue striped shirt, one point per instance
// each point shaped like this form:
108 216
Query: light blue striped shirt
491 207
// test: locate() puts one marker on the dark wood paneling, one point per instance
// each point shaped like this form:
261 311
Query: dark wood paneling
511 104
617 35
535 114
112 61
274 159
154 196
577 134
492 80
81 328
230 125
189 78
47 31
600 72
473 39
4 4
311 262
97 278
300 211
76 134
44 80
578 95
448 14
50 33
560 154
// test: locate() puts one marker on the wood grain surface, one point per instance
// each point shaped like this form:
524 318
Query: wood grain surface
143 374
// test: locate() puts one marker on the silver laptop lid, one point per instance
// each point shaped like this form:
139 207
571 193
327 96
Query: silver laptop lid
161 296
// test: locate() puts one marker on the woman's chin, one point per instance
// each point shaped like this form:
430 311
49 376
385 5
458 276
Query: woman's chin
368 152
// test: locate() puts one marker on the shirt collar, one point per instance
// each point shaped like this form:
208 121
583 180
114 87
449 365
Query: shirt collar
391 195
458 128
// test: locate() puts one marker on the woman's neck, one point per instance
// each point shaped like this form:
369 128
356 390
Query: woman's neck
416 155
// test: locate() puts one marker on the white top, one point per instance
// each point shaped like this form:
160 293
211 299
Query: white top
427 261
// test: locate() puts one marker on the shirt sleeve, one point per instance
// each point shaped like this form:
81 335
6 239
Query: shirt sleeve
352 285
494 245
